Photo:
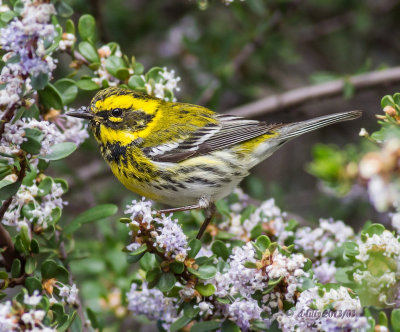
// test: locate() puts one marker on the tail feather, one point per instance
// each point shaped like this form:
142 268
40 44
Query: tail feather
296 129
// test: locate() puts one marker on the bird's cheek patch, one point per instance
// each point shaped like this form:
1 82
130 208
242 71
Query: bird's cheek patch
114 119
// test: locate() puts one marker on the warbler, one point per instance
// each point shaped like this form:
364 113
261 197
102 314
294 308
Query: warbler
179 154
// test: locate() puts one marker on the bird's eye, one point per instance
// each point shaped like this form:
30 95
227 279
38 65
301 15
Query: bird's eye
117 112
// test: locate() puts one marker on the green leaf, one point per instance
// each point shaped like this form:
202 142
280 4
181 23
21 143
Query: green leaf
229 326
387 101
50 269
39 81
62 183
138 68
88 51
177 267
30 265
7 16
72 323
64 9
87 84
137 254
350 249
190 311
35 248
148 261
93 214
204 272
94 65
50 97
166 282
32 284
263 242
205 326
195 246
223 300
45 186
205 290
274 282
180 323
153 275
153 73
26 240
377 229
19 245
86 27
256 231
9 190
250 265
219 248
93 319
70 27
260 325
67 89
223 208
395 320
58 310
33 141
307 265
30 178
135 81
122 74
382 319
16 268
60 151
113 64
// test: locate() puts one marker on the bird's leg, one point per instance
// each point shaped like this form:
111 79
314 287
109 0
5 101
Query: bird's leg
209 215
179 209
202 204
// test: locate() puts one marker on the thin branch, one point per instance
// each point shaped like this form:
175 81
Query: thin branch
306 94
8 115
64 258
10 253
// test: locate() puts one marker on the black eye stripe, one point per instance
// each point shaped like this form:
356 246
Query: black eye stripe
107 113
117 112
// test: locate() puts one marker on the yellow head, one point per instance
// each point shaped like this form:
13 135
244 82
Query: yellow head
119 115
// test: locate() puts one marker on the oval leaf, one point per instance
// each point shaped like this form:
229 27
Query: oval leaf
219 248
67 89
93 214
60 151
88 51
86 27
166 282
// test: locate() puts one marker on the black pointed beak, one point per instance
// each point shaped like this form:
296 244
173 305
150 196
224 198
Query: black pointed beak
81 112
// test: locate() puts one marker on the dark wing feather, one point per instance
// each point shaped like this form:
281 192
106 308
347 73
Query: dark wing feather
230 131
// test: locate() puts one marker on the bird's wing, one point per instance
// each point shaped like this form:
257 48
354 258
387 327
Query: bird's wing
229 130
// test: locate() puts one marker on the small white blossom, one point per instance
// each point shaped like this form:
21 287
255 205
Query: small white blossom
332 300
171 237
152 303
140 209
323 239
34 299
205 308
243 312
